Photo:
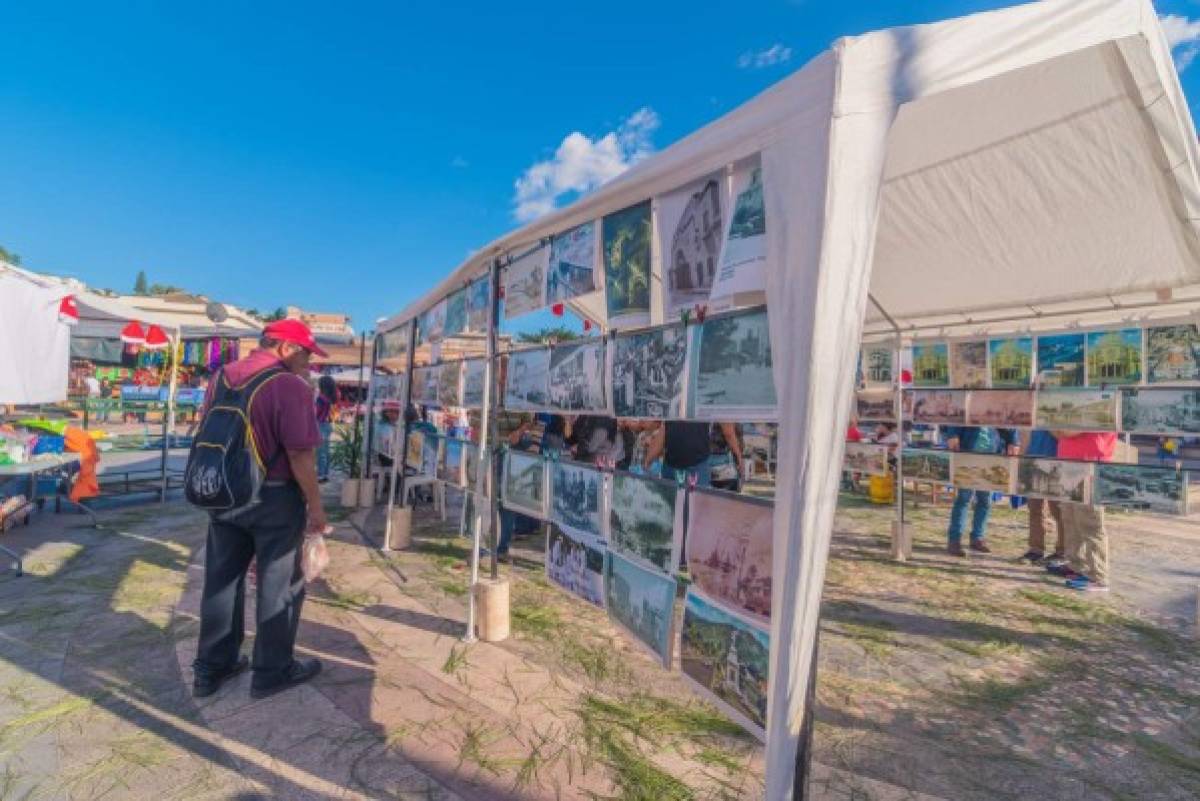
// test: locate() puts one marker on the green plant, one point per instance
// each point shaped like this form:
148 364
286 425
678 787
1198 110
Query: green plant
342 456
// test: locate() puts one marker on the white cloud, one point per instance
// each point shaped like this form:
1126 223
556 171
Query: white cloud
757 59
459 163
1183 35
580 164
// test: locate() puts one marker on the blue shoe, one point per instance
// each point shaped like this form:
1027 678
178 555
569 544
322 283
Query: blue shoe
1084 584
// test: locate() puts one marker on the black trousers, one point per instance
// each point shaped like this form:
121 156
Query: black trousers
273 531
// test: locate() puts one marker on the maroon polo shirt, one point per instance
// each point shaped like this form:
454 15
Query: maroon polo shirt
282 415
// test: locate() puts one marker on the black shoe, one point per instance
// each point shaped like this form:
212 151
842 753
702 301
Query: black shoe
300 672
955 550
205 685
981 546
1032 557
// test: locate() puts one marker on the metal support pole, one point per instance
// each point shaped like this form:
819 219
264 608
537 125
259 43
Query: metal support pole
804 753
359 442
398 459
486 462
169 412
900 544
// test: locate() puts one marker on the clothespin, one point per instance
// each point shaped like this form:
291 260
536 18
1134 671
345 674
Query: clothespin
701 312
685 316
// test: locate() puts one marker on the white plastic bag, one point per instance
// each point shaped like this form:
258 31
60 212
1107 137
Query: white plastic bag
314 557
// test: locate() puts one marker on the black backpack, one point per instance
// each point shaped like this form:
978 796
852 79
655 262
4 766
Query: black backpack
225 470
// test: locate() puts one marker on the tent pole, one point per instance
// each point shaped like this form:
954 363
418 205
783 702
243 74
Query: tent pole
169 412
804 753
901 547
398 464
360 441
486 465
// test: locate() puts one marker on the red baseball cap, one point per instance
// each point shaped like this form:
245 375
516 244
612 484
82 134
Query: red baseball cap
296 332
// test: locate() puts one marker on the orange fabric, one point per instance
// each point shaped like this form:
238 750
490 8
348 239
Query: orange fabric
86 484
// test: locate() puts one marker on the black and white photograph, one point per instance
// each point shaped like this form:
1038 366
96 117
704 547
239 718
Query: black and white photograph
577 377
690 228
1054 480
479 296
474 379
1161 411
734 380
877 365
743 264
527 385
577 497
425 384
575 562
649 373
1151 489
432 324
524 487
645 519
1173 353
572 268
525 281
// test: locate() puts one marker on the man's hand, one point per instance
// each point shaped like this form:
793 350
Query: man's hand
317 522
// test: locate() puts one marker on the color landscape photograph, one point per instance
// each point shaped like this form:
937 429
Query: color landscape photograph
931 364
982 471
644 519
729 542
1054 480
1077 409
642 602
1114 357
734 380
1011 361
1060 359
969 364
1173 353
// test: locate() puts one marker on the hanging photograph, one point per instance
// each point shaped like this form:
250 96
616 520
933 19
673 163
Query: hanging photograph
414 450
575 498
527 385
649 373
392 346
726 658
470 466
1006 408
1011 361
729 549
478 301
474 379
627 266
1061 360
941 406
431 455
1173 353
1161 411
525 281
432 324
931 365
1152 489
425 384
1055 480
572 268
969 365
1077 409
645 519
984 471
577 372
642 602
866 458
734 380
743 264
1114 357
924 465
472 505
877 365
875 405
575 562
456 314
524 487
690 229
450 468
449 392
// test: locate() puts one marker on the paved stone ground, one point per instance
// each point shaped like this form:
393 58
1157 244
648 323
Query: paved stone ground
940 678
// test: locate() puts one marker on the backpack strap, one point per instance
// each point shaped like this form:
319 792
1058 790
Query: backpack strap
251 388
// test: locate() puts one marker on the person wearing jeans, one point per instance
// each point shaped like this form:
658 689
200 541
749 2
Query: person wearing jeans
975 440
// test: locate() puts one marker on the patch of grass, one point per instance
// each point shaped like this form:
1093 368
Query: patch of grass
1055 600
455 589
444 548
597 661
534 620
1167 755
654 718
456 660
721 760
476 741
999 696
634 777
50 716
873 636
986 648
354 601
545 750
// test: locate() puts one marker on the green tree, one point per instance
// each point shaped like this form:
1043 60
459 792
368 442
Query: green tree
546 336
139 285
163 289
280 313
9 256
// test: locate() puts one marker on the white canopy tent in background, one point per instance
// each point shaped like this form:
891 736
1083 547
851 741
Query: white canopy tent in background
34 343
1038 155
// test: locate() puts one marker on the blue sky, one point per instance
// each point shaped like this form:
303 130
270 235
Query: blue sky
345 158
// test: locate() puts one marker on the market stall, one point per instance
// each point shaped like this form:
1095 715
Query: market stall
1034 156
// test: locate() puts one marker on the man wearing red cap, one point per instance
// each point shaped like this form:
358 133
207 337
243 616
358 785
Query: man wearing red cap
284 426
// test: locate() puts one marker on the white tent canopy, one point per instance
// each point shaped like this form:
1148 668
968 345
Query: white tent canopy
34 342
1042 155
